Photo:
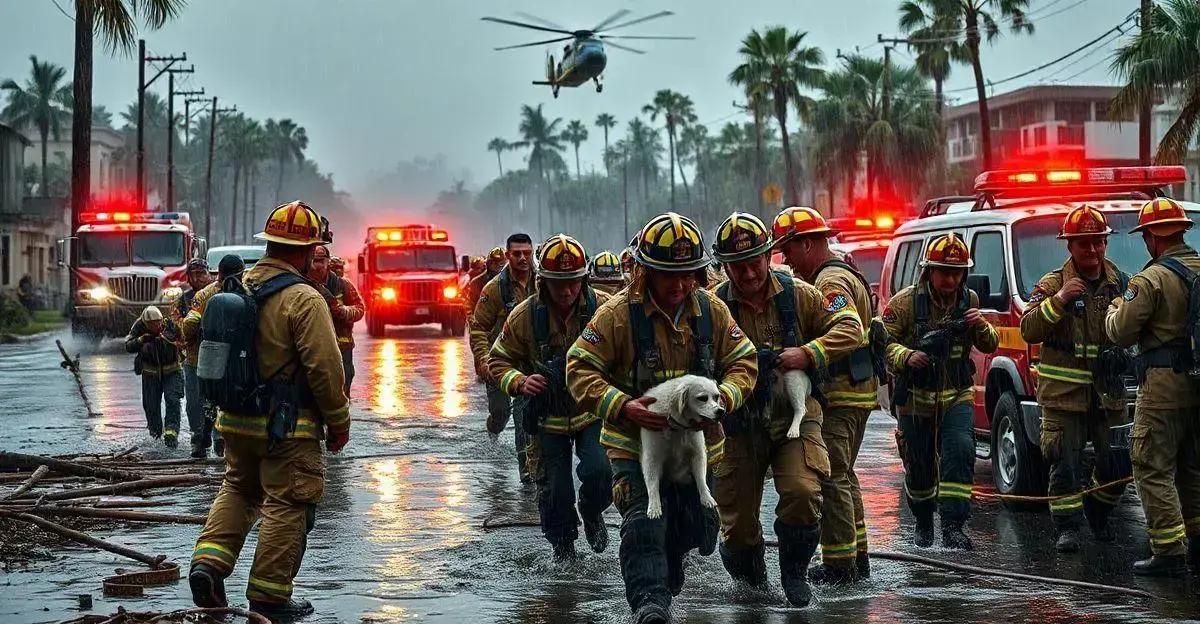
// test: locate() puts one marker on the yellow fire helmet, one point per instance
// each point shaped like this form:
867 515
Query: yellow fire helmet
741 236
606 267
671 242
949 252
295 223
561 257
497 253
1162 216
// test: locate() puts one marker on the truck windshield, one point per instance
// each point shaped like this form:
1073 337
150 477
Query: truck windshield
109 249
1037 250
157 248
870 262
415 259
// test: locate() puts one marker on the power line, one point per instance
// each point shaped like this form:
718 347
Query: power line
953 35
60 10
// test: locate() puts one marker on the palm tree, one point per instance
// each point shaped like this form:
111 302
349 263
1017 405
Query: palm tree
935 51
499 146
116 23
966 22
694 139
1162 60
154 115
543 138
777 62
40 105
101 117
677 110
286 141
644 148
606 122
575 134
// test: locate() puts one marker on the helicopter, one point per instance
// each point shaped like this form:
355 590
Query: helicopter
583 58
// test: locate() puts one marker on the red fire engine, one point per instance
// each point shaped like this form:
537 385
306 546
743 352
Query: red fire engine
1011 224
410 275
123 262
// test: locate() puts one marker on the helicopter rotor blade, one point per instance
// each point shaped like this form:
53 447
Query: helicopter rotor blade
621 47
639 20
533 43
524 25
672 37
610 19
543 22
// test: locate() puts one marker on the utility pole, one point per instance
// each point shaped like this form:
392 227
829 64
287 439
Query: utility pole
142 85
187 116
1145 108
171 133
212 142
887 72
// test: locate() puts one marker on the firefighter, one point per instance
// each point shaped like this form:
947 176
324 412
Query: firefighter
1066 316
281 483
850 392
935 420
1153 314
477 267
662 326
337 266
230 266
794 328
627 263
495 263
529 359
154 340
605 273
197 278
345 306
497 299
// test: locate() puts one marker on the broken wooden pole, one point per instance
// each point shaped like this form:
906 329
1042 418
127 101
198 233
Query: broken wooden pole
28 484
83 538
73 366
9 459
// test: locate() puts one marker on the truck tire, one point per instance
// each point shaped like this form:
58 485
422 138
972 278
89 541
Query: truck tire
460 324
375 328
1017 466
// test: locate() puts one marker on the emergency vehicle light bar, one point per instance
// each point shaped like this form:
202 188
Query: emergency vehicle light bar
135 217
1012 182
406 234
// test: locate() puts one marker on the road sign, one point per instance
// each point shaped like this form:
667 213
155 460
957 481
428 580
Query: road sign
772 194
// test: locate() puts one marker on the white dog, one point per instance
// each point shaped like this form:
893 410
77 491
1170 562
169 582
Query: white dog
797 386
679 452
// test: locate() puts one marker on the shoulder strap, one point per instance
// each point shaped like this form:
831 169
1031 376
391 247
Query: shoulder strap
540 318
871 295
785 304
920 307
276 283
506 294
1178 268
723 293
702 328
1122 280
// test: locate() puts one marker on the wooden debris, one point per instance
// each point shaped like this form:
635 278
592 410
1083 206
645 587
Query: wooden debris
73 366
9 459
83 538
29 483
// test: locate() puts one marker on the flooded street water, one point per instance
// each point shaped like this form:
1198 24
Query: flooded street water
399 538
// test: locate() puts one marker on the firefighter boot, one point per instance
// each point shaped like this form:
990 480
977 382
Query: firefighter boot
923 535
208 588
650 613
1097 517
796 547
1193 556
171 439
282 611
825 574
1068 540
954 538
564 551
863 563
746 565
596 533
198 451
1161 565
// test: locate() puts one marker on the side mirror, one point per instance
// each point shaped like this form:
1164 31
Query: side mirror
464 264
201 247
362 265
988 299
63 251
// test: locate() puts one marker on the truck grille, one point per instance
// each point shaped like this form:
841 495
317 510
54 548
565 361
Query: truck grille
418 292
136 288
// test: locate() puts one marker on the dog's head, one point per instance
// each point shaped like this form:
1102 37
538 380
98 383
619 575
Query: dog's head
695 401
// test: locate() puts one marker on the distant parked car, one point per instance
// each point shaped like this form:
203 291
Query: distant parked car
250 254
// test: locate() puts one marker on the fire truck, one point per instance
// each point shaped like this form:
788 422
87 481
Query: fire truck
123 262
865 240
410 275
1011 224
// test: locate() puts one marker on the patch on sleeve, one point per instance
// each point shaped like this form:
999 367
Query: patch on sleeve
484 297
1130 293
888 315
735 333
591 336
835 301
1037 296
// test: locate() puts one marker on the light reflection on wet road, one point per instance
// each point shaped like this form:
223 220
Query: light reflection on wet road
398 538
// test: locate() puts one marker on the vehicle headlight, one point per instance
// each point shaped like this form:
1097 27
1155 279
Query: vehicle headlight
98 293
388 294
172 292
450 291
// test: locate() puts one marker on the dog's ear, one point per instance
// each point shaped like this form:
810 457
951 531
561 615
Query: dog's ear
679 402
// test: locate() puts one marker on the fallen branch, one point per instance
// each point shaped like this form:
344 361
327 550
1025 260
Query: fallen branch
111 514
28 484
73 366
83 538
129 486
10 459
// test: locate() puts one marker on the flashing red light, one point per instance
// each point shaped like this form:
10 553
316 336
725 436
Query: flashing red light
407 234
135 217
1102 178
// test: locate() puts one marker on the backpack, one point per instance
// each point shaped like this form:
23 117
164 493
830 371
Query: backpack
1187 353
227 366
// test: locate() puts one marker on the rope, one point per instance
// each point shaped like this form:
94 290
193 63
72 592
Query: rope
1039 499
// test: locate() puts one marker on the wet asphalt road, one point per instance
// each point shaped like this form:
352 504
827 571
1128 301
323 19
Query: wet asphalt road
399 538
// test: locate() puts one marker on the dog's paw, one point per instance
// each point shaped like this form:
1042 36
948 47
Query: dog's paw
653 510
794 432
707 500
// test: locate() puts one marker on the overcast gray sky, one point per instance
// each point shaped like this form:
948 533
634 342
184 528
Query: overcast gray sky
375 82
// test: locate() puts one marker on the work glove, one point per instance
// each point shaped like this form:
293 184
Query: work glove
636 411
336 439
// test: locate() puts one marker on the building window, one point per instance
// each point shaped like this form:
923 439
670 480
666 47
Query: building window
5 259
1073 112
1039 136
